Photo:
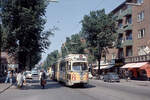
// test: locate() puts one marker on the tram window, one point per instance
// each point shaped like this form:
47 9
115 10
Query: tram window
79 66
84 66
76 68
62 66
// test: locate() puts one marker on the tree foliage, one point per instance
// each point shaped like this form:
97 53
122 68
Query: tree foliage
22 28
73 45
51 59
99 31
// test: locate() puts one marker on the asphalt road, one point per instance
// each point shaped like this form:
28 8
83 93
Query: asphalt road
97 90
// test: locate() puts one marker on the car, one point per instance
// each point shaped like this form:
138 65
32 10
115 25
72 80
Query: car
34 72
111 77
90 75
28 75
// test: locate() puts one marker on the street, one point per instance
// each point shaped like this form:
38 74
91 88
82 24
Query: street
97 90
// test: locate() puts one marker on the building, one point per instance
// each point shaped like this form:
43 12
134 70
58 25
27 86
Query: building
133 42
7 62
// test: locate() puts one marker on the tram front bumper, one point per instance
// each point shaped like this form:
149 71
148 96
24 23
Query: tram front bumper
78 82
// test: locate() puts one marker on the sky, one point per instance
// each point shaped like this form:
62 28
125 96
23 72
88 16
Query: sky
66 16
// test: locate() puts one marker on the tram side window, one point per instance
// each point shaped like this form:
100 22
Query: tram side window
62 66
68 66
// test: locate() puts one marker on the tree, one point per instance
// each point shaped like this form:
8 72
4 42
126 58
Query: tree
99 31
74 45
51 59
22 29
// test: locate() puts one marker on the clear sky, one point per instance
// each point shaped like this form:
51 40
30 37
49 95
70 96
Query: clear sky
67 14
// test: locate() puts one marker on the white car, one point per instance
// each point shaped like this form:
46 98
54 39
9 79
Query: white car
28 75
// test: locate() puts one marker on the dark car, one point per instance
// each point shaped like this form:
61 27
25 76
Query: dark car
111 77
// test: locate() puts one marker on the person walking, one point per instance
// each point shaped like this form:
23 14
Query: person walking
127 75
20 79
42 79
9 77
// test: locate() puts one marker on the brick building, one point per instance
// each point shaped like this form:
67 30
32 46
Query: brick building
7 62
133 41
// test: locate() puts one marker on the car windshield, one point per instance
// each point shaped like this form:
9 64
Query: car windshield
28 72
79 66
114 76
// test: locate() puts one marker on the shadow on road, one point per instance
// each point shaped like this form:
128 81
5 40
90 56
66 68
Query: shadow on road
78 86
34 84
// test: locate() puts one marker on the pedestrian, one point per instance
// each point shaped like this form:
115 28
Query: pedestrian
42 78
9 77
20 79
24 77
127 75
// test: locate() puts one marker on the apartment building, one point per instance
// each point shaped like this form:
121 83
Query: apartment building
133 21
133 41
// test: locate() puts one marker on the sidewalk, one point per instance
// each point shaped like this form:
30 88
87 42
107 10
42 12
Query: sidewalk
135 82
4 86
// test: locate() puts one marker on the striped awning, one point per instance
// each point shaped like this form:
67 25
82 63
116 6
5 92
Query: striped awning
134 65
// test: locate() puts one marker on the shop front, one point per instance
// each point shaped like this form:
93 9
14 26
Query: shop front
140 71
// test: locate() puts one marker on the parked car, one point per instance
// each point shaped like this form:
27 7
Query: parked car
111 77
34 72
28 75
90 75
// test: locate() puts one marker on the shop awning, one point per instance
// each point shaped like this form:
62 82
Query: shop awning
104 67
135 65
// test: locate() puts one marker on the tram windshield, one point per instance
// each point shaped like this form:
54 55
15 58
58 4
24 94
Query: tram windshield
79 66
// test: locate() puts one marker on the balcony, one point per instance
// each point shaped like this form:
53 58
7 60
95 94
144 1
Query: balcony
127 12
128 43
135 59
120 30
119 17
127 27
120 44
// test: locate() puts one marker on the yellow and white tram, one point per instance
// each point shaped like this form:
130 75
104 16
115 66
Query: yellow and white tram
73 69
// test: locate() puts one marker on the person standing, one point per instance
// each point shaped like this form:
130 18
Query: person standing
42 78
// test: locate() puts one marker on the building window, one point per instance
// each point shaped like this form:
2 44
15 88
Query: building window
120 25
129 20
141 33
141 50
121 54
140 1
129 36
140 16
113 56
129 51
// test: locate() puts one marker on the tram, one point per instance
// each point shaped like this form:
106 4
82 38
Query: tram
73 69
